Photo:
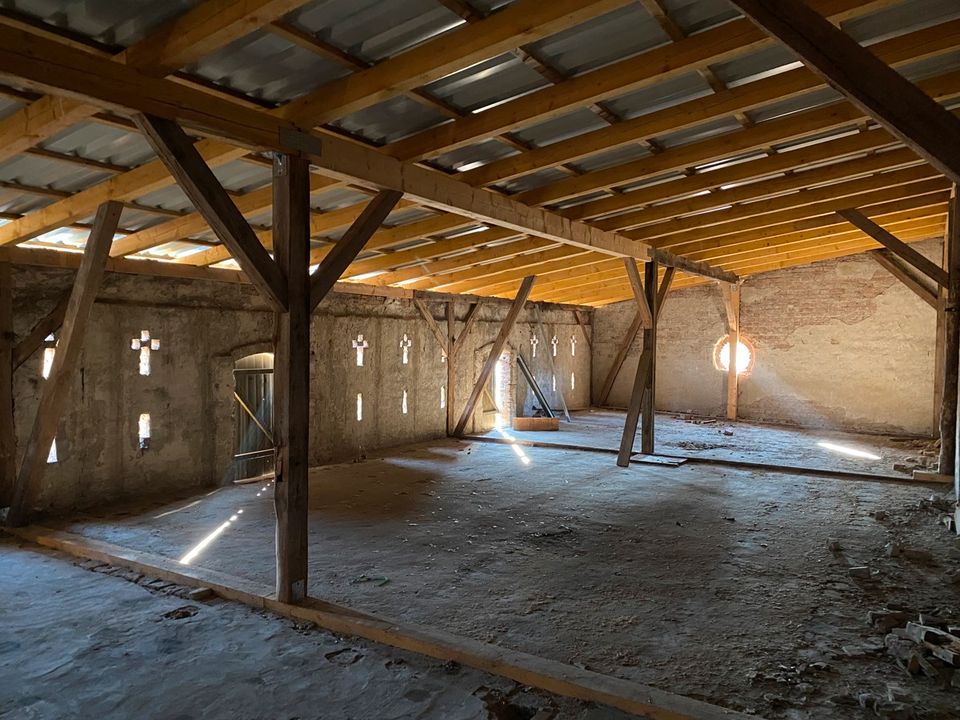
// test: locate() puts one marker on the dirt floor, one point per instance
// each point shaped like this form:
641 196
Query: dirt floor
90 641
724 584
698 437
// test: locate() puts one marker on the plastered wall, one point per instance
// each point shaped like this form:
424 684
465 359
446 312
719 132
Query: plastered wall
203 328
839 344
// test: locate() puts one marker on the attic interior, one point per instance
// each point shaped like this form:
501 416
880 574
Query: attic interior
479 359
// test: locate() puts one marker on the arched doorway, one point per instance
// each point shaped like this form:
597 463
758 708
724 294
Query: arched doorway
253 393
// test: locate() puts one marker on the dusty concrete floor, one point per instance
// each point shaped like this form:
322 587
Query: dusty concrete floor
689 436
82 644
707 581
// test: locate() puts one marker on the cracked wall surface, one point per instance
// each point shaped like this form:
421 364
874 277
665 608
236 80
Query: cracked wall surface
840 344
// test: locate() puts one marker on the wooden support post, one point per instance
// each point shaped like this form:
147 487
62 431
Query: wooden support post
291 374
54 392
350 245
583 328
951 344
8 435
522 294
451 367
553 367
621 355
731 301
33 340
649 405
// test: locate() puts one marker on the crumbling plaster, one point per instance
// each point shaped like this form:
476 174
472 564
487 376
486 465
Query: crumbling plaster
840 344
204 327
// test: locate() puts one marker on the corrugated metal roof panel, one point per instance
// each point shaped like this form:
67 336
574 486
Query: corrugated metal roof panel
488 83
13 201
660 95
104 143
390 120
111 22
560 128
602 40
46 172
337 198
8 107
807 101
373 30
902 18
700 132
754 66
533 180
611 158
696 15
267 67
168 198
474 156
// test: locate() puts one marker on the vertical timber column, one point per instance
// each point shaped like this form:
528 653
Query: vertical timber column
648 406
291 375
951 342
451 371
8 437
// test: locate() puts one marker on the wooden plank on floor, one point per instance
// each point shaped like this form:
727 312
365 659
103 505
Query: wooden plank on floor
521 667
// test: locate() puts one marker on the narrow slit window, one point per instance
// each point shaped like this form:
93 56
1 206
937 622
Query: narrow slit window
405 344
533 344
46 361
554 381
359 407
52 455
554 341
145 345
443 397
403 403
573 346
143 430
360 345
573 381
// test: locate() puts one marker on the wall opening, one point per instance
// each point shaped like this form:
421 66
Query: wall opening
359 407
746 355
253 395
403 403
145 345
501 390
360 345
46 360
52 455
143 431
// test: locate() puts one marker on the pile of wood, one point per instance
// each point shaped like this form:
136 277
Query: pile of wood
929 645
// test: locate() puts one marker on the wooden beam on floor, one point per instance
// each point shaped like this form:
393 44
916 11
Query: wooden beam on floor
48 324
869 83
731 303
8 435
895 245
522 294
951 341
196 179
641 397
56 389
351 243
886 260
291 374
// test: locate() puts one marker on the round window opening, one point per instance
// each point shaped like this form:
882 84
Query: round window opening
745 355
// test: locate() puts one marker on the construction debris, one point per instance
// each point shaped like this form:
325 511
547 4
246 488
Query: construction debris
921 644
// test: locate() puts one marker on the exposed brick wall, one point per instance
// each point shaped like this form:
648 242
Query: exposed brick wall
839 344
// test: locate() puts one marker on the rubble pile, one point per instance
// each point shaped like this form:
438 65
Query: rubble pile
924 644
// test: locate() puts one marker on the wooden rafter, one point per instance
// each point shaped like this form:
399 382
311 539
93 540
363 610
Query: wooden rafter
869 83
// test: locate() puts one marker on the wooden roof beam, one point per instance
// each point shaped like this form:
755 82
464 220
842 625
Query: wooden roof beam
869 83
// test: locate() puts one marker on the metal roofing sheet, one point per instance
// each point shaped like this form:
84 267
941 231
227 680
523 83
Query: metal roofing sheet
8 107
47 172
696 15
14 201
703 131
560 128
658 96
112 22
267 67
602 40
473 156
488 83
610 158
104 143
901 18
390 120
373 30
